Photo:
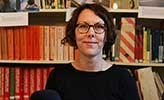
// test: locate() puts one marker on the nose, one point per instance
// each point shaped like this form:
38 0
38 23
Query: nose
91 33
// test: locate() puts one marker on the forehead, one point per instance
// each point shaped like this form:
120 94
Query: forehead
89 16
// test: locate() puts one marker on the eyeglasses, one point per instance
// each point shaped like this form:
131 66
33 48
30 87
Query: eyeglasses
84 27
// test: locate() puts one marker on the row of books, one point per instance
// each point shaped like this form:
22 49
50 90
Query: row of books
19 82
34 43
137 43
150 83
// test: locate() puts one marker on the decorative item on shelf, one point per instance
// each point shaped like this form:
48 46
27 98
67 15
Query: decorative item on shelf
124 4
28 5
7 6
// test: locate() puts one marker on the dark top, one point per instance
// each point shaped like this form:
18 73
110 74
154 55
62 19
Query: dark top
116 83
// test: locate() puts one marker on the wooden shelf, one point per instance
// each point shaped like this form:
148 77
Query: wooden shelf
140 64
32 62
63 62
123 10
52 10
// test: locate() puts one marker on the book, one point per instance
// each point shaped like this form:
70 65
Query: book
6 82
18 83
127 40
0 46
16 43
4 51
10 43
12 83
147 84
26 84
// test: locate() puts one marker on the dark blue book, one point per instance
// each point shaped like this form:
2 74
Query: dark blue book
155 45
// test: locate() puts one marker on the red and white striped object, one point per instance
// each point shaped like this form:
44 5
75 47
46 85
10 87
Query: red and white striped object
127 40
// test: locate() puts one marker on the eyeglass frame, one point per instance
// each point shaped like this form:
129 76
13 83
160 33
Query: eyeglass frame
89 26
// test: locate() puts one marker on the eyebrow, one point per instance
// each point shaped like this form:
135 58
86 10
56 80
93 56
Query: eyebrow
90 24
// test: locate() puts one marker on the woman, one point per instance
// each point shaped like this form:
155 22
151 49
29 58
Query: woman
90 77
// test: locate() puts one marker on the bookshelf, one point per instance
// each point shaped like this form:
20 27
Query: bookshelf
57 17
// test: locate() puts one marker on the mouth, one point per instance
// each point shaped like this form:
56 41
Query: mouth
90 42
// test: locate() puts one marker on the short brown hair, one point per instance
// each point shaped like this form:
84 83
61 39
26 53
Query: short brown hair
99 11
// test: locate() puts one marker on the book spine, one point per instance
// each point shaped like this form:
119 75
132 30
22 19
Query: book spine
18 83
26 84
32 80
6 83
52 44
161 47
1 87
16 43
2 94
39 78
0 44
41 43
10 43
46 42
12 83
4 44
127 40
23 43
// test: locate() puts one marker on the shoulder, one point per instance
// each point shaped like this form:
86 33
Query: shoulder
121 71
61 68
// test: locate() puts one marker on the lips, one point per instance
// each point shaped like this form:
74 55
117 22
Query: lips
90 42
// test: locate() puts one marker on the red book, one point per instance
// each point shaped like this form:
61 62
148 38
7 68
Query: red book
36 42
18 83
2 94
39 78
137 42
6 83
1 83
0 45
17 43
10 43
23 43
26 84
32 80
4 44
29 46
141 45
45 76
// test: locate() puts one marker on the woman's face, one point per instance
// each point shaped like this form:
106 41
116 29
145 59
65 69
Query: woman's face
90 42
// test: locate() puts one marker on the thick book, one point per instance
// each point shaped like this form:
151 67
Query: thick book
10 43
147 84
18 83
12 83
46 42
23 49
0 46
26 84
17 43
127 40
4 44
6 83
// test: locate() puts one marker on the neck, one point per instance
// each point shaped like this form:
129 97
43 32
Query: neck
91 64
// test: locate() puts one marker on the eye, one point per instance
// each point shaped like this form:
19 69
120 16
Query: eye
83 26
99 26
